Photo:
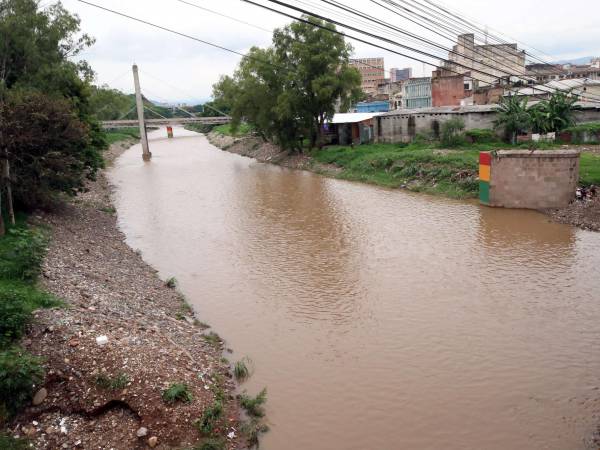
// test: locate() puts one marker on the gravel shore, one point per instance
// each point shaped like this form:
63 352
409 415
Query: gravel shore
108 395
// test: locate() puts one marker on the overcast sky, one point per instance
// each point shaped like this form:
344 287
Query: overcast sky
173 68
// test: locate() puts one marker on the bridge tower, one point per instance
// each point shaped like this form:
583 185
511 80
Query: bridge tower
146 155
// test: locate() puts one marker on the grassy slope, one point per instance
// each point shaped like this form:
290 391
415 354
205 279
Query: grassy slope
422 167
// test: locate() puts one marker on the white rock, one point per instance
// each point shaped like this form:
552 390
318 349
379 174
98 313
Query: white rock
102 340
143 431
231 435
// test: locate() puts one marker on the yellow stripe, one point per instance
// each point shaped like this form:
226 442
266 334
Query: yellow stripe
484 173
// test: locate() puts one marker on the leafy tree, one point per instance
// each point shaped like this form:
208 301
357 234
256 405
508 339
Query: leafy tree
49 148
513 116
111 104
35 50
555 114
288 91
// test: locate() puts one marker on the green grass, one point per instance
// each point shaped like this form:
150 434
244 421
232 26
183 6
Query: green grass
426 167
121 134
418 166
210 418
589 171
177 392
8 442
243 129
241 370
22 250
213 339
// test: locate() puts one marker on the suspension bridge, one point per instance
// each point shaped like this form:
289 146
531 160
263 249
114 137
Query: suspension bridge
142 122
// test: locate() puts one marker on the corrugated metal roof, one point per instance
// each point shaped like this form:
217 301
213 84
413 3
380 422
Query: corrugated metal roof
353 117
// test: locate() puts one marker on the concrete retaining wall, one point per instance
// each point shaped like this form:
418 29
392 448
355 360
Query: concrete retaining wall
525 179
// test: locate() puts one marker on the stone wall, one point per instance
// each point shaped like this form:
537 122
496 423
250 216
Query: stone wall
533 180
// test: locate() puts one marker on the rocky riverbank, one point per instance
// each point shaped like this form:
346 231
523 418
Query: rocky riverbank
584 214
123 338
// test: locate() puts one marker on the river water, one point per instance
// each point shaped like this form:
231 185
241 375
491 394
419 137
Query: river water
377 319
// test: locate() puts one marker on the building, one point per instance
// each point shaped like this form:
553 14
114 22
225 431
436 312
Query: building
351 128
390 92
405 124
400 74
489 64
370 107
585 89
453 90
543 73
416 93
372 72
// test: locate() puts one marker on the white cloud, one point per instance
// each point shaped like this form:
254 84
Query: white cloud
559 29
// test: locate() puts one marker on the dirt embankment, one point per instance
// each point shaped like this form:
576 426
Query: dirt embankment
123 339
582 214
255 147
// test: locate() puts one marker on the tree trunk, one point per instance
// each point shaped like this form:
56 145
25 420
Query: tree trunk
2 228
9 199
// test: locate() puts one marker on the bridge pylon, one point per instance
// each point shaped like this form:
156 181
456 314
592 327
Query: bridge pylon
146 155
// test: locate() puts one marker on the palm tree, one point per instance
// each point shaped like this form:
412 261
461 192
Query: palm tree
557 113
513 116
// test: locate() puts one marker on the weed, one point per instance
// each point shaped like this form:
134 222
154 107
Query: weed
171 283
212 338
108 210
252 430
20 372
254 405
217 387
200 324
212 444
9 442
21 253
240 369
177 392
210 417
118 382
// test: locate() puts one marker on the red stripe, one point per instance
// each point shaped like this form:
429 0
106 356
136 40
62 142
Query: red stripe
485 158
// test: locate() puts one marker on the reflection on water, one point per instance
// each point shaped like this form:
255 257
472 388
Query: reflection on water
377 319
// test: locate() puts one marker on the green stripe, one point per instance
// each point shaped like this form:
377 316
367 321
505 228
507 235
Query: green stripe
484 192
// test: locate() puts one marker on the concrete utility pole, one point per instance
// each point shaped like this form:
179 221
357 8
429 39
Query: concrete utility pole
146 155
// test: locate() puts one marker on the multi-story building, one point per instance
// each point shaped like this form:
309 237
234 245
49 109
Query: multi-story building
400 74
416 93
488 64
372 72
543 73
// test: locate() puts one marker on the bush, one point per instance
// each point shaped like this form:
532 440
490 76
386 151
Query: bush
452 132
7 442
20 372
50 149
481 136
14 316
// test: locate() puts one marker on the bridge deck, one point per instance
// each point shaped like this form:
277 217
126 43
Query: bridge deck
172 121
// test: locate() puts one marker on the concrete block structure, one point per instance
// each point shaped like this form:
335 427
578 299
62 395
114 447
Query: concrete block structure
372 72
526 179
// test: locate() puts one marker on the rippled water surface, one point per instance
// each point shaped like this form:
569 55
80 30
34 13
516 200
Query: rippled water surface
377 319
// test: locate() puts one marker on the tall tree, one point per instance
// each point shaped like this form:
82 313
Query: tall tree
289 90
36 70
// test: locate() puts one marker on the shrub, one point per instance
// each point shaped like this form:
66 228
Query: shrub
481 136
212 338
452 132
8 442
177 392
171 283
254 405
20 372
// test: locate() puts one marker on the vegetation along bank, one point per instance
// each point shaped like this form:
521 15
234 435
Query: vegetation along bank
422 166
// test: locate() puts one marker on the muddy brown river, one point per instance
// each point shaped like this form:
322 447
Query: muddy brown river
377 319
